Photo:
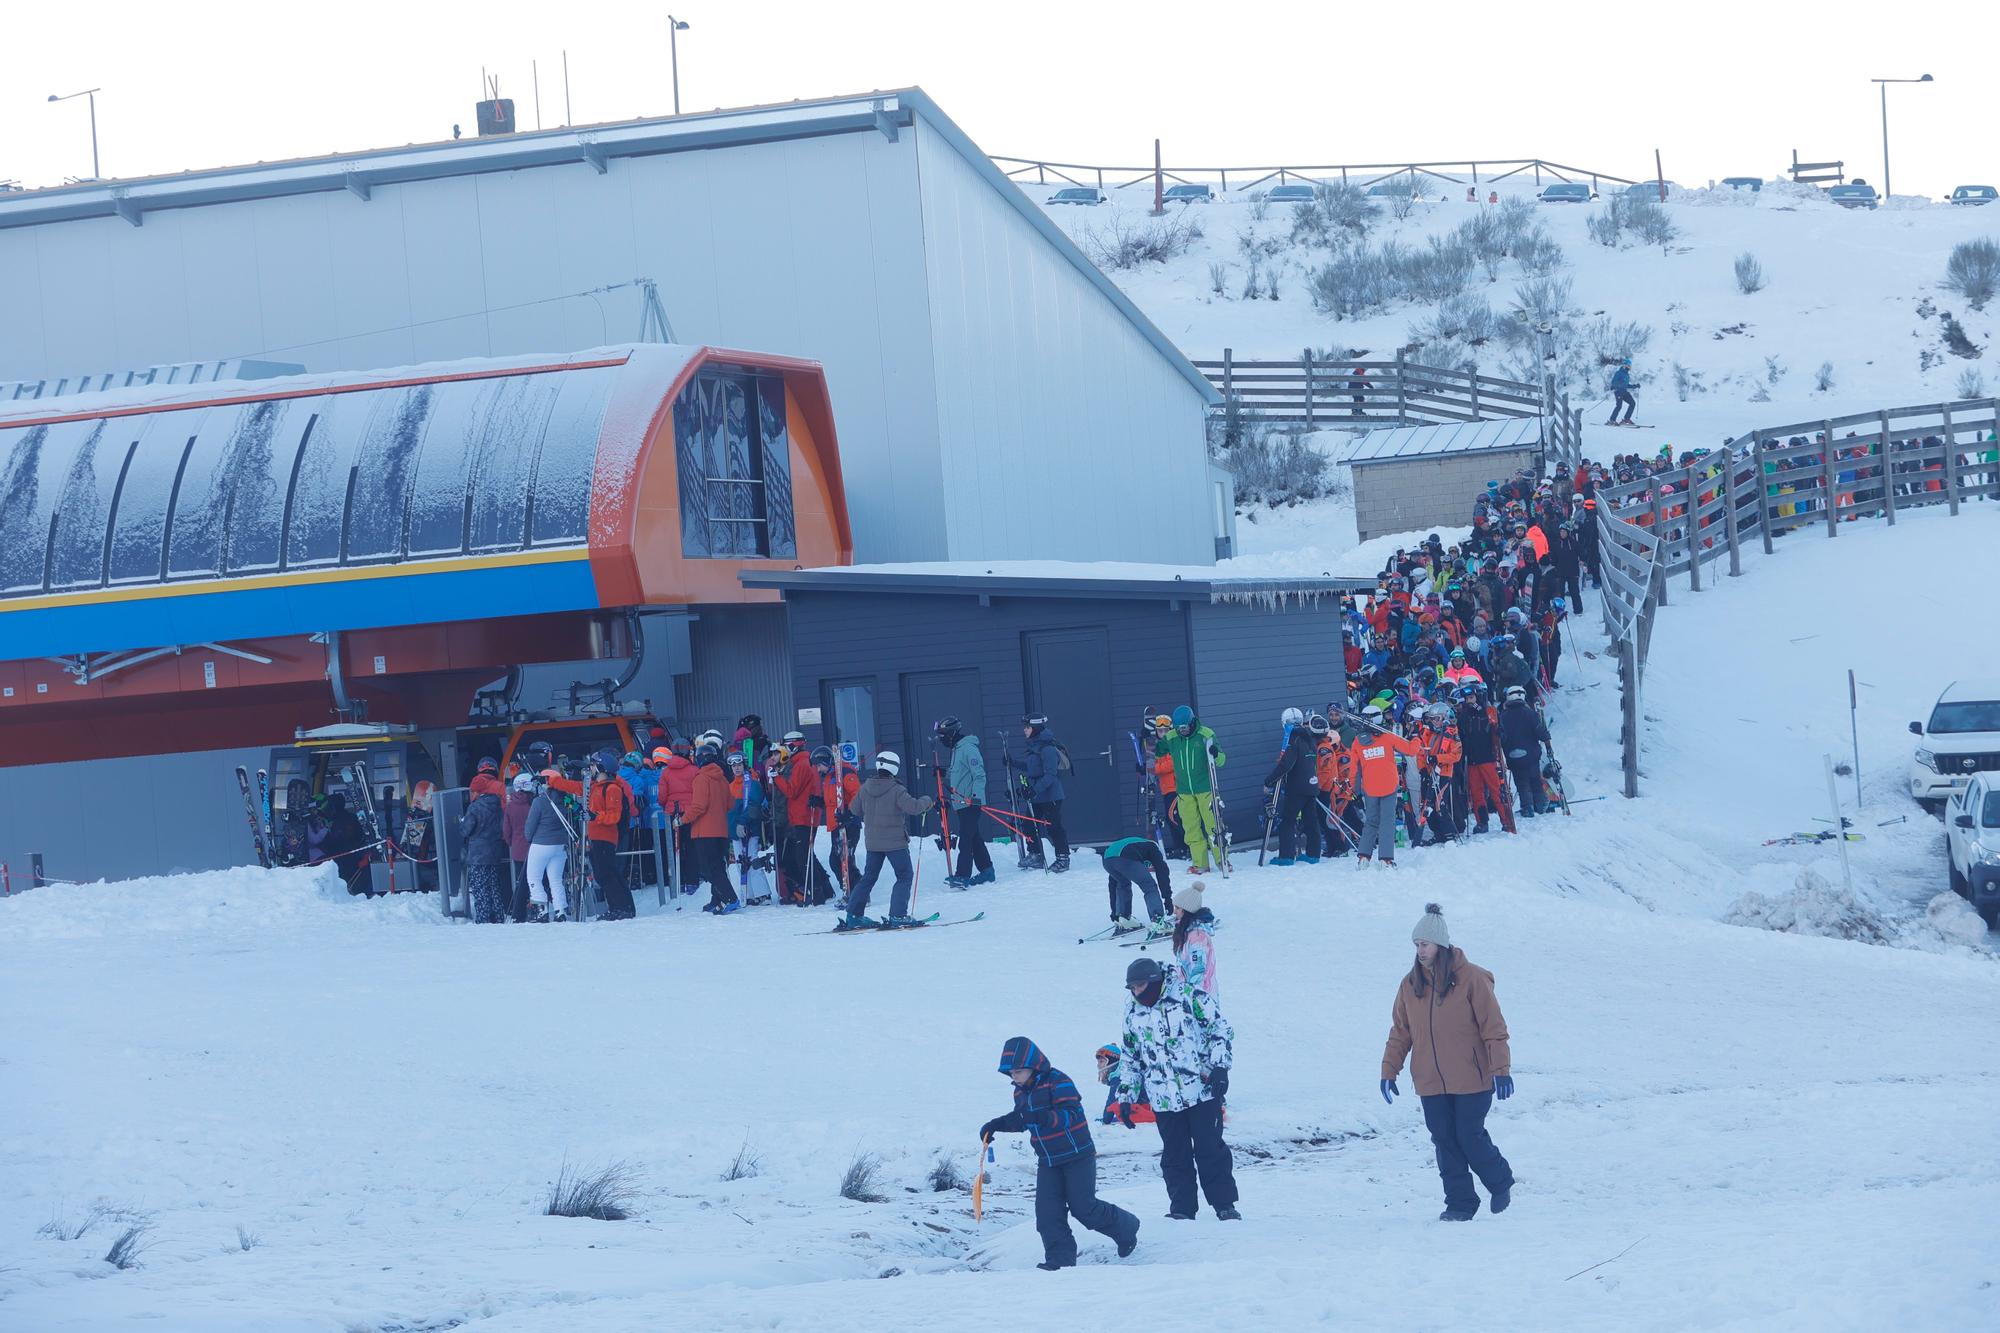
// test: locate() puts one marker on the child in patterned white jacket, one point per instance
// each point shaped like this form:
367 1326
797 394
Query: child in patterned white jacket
1177 1056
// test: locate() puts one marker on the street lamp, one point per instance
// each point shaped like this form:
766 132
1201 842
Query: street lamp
91 93
677 26
1885 126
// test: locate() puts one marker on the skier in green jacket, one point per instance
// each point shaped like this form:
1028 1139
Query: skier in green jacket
1196 757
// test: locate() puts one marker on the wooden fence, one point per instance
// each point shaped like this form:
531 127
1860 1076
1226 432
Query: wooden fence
1321 395
1769 482
1363 174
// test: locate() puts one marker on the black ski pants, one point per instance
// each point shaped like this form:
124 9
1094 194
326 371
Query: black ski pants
1191 1147
1457 1122
1621 399
610 877
1052 828
518 907
1069 1189
1298 823
1529 793
707 862
968 825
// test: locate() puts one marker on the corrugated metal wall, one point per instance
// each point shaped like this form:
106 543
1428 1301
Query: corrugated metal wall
1250 665
740 666
884 636
1085 441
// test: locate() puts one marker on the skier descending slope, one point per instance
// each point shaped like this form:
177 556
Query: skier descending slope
1049 1109
1447 1022
884 802
1177 1056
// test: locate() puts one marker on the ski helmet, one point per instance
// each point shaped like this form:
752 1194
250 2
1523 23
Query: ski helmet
1458 654
822 756
489 765
606 759
1144 972
1183 719
1291 717
524 783
949 729
1373 710
707 753
751 723
1036 721
1558 605
661 754
1472 643
794 737
1517 694
1317 725
889 762
540 752
634 758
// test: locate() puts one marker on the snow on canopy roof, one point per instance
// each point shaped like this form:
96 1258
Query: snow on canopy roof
1462 437
1243 579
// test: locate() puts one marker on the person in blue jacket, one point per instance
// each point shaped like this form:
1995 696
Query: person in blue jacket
1049 1109
1042 772
1621 393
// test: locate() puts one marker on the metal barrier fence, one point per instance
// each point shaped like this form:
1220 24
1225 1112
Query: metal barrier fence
1319 394
1769 482
1457 172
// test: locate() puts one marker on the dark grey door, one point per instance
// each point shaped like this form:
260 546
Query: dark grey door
1068 674
929 696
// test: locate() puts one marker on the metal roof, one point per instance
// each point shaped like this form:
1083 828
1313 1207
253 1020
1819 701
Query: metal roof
886 113
1402 443
1089 582
185 372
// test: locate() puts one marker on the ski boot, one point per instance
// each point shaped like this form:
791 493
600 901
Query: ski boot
850 921
1159 928
1124 925
1059 865
1308 860
958 882
985 876
899 922
760 900
733 905
1228 1213
1281 861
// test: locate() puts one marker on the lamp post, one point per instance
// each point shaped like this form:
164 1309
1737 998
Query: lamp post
1885 126
91 93
675 27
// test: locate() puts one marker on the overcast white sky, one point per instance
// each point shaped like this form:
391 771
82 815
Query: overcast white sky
1721 89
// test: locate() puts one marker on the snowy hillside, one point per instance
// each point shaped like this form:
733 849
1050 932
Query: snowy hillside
338 1115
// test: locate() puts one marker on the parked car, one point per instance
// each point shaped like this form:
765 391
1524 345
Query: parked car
1189 194
1855 194
1650 190
1289 194
1962 738
1078 194
1972 845
1396 187
1754 184
1565 192
1974 195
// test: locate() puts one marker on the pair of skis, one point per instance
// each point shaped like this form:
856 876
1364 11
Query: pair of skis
884 928
260 839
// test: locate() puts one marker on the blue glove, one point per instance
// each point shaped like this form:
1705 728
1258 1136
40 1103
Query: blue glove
1503 1086
1389 1091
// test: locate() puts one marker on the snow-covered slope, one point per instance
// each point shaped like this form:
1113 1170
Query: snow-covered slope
1757 1130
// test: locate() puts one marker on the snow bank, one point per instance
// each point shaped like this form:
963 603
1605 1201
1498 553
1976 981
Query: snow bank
1813 907
207 904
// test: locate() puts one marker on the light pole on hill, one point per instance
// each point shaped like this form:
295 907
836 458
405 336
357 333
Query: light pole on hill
91 93
675 27
1884 83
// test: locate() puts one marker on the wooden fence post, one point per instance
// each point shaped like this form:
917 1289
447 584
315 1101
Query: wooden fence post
1694 527
1307 359
1628 723
1950 463
1228 373
1663 552
1888 475
1767 503
1832 470
1730 522
1403 398
1474 377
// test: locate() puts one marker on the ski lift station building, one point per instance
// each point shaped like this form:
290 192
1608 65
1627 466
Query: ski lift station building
870 328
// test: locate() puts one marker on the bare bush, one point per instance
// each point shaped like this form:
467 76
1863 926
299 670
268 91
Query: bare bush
131 1243
1774 370
1823 377
1260 206
1402 192
1481 235
1971 383
1540 254
1354 282
1542 300
1973 270
944 1176
1271 284
1336 211
1604 227
1216 272
247 1241
1127 241
1955 339
1648 221
744 1165
1276 468
1435 272
1517 221
606 1194
1749 274
858 1181
1614 342
1252 282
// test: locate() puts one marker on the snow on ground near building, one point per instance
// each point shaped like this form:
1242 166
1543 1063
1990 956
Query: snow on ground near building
1756 1130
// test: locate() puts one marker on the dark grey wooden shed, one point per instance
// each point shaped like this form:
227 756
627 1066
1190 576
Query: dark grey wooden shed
879 654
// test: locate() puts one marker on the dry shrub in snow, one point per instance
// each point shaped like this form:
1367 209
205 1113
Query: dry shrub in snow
744 1165
944 1176
858 1181
1823 377
1337 210
1275 468
1971 383
606 1194
131 1243
1749 274
1127 241
1973 271
1813 907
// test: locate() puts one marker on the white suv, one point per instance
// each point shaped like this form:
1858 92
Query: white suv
1972 843
1961 739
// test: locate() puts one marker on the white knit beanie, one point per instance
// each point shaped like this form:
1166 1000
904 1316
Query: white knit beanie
1188 897
1431 927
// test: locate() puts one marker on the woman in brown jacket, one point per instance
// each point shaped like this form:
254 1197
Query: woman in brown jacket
1447 1023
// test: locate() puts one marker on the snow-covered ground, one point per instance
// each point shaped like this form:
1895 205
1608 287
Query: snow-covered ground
1756 1130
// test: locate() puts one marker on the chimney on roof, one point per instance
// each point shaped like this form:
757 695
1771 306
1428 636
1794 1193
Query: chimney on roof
496 113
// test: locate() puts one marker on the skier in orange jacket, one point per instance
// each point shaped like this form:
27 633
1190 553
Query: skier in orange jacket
1374 754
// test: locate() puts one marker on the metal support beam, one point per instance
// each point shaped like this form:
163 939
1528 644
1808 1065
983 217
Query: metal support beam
357 185
125 208
234 652
886 124
594 154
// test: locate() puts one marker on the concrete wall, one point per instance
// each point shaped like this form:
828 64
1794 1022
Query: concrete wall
1428 492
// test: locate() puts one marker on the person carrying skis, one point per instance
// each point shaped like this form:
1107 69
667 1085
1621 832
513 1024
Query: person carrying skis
1196 757
1523 733
1288 792
834 803
965 784
1333 767
1042 771
795 782
548 835
1107 1075
1139 861
1049 1109
1447 1023
1443 757
1478 734
605 820
884 805
1194 939
1177 1056
707 822
676 763
1621 393
1163 783
1374 755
